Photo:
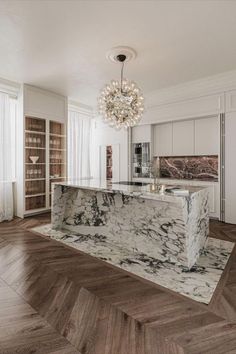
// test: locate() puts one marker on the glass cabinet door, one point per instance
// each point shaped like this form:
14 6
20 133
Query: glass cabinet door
141 160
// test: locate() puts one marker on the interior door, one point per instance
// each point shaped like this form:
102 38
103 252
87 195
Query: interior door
116 162
102 163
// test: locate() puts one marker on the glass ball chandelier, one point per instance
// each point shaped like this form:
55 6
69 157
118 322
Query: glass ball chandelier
121 104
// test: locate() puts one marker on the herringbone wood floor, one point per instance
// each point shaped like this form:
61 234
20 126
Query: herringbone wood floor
54 299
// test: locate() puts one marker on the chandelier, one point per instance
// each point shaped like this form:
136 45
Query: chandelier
121 103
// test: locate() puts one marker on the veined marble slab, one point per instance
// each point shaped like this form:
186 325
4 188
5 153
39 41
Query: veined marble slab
203 168
198 283
163 226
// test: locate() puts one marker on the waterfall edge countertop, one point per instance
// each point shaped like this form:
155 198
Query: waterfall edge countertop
167 227
131 190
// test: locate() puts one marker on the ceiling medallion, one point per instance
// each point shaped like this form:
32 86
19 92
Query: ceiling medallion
121 104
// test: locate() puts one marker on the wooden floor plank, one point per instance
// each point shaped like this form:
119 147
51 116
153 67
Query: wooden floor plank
63 301
23 330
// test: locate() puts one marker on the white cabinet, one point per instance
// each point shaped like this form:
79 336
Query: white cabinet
193 137
207 136
141 134
230 168
41 126
162 135
183 138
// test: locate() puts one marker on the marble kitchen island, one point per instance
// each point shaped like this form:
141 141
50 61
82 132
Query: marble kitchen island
161 225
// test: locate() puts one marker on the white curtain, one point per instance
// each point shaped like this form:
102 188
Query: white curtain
7 155
79 135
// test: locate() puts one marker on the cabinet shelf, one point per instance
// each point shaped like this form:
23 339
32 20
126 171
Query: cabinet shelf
34 132
57 135
57 149
34 179
34 195
36 210
37 163
56 178
35 148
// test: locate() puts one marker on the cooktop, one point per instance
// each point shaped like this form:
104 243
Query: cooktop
131 183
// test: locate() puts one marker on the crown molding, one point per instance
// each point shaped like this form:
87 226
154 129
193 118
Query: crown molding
192 89
44 91
10 87
79 107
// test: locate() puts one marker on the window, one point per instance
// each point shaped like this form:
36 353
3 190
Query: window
7 155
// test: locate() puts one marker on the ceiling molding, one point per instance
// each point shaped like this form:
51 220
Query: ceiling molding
80 108
192 89
9 87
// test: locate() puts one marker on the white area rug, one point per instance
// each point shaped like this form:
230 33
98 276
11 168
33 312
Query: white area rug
199 283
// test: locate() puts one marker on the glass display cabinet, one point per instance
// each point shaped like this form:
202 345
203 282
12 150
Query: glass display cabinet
141 164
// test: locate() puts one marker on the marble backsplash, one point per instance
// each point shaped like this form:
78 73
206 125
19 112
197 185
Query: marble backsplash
204 168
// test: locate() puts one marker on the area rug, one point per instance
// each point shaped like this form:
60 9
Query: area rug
199 283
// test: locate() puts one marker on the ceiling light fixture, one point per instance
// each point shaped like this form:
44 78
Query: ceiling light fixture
121 104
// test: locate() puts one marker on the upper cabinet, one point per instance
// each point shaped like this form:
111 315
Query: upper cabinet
187 138
183 138
162 140
207 136
141 134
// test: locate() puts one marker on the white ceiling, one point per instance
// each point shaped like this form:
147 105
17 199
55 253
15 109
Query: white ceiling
61 45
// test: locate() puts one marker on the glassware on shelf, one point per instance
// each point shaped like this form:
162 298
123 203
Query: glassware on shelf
34 159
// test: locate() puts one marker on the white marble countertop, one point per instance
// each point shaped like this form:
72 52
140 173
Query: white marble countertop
176 181
131 190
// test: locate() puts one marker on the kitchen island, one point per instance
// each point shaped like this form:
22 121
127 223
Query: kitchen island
169 227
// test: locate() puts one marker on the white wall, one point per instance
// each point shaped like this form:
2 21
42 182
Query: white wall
230 153
193 99
44 104
102 135
185 109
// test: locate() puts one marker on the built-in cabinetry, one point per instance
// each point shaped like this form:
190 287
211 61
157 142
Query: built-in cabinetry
141 160
183 138
193 137
141 150
206 136
141 134
199 100
187 138
41 154
35 163
163 142
39 174
57 154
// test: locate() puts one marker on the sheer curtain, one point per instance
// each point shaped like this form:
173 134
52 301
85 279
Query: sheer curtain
7 155
79 135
